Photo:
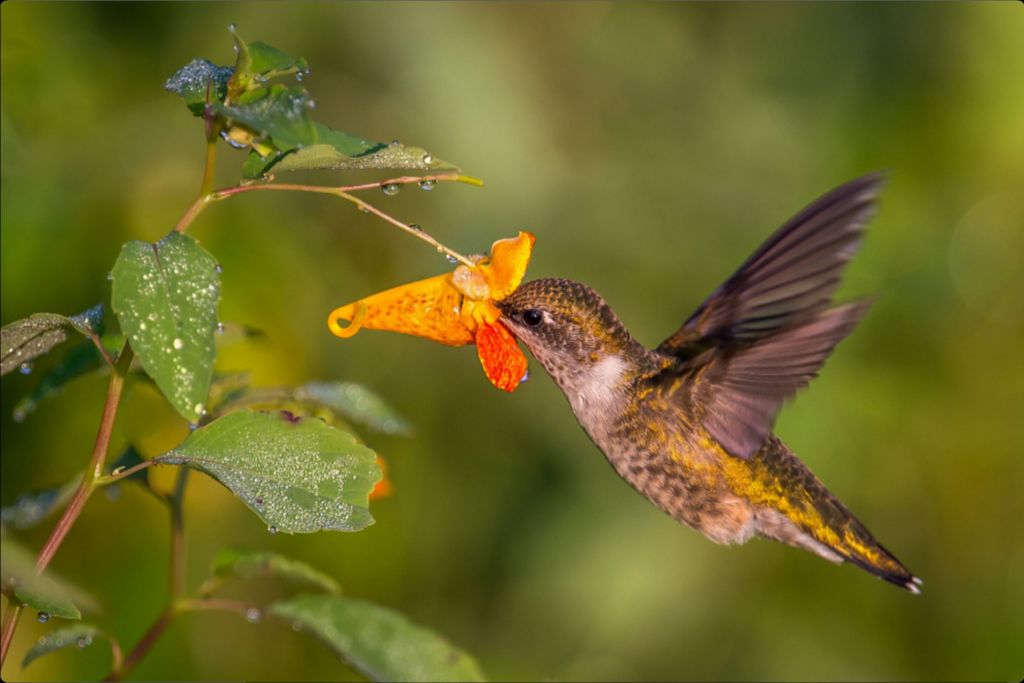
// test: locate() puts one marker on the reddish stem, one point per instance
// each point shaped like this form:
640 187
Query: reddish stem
10 622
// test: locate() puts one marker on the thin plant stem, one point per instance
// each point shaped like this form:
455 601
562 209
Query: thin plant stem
218 604
10 622
178 573
119 474
343 193
95 469
145 644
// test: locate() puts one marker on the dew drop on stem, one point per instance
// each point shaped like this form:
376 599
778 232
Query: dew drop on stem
25 368
390 189
427 185
253 615
43 617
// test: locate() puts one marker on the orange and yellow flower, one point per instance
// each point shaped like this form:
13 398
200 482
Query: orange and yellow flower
456 308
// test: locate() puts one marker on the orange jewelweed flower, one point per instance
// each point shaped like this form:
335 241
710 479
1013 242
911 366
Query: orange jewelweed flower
455 308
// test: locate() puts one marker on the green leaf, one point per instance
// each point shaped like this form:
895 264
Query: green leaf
165 296
35 506
381 643
299 475
80 359
278 111
192 80
47 593
267 61
78 635
337 151
357 403
248 564
25 340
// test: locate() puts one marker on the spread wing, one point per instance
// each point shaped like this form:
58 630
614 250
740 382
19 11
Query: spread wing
741 390
793 274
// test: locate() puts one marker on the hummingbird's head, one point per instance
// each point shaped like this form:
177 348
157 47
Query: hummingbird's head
570 329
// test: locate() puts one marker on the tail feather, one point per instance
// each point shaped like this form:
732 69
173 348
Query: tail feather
811 508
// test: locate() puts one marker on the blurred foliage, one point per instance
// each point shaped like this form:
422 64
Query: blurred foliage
650 147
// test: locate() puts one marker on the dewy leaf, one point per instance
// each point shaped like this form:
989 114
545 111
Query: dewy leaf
33 507
47 593
357 403
77 635
248 564
192 80
299 475
80 359
337 151
24 340
279 112
380 643
166 297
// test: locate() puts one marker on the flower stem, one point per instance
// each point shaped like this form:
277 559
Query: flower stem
95 469
343 193
10 622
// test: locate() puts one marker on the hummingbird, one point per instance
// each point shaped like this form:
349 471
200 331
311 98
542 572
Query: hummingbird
689 424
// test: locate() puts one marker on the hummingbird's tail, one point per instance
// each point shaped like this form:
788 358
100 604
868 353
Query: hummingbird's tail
822 523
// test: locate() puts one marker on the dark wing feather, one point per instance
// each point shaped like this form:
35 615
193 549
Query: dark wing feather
741 390
793 274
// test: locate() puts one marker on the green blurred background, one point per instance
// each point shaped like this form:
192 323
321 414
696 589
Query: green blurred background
650 147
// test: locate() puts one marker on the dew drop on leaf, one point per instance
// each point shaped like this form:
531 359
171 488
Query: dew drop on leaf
178 343
25 368
83 643
428 158
272 529
43 617
220 328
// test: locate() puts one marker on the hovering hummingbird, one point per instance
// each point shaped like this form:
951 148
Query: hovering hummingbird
689 424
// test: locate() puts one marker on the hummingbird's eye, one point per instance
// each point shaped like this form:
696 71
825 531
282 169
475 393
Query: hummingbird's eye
532 317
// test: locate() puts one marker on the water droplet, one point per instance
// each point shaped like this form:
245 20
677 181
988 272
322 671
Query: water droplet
220 328
427 185
525 377
178 343
272 529
235 48
25 368
390 189
311 104
259 502
416 226
395 143
193 426
451 259
43 617
200 410
428 158
110 276
296 626
298 76
218 269
142 327
253 615
363 209
232 27
84 642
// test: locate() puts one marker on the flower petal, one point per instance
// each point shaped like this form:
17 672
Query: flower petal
509 259
428 308
503 361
